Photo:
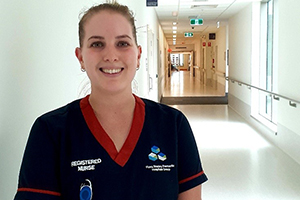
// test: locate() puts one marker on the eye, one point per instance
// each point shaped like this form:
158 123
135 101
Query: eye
97 44
123 44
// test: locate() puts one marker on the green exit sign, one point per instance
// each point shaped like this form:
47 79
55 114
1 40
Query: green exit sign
195 22
188 34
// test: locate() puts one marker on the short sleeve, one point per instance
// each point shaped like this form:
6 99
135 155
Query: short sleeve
39 173
190 172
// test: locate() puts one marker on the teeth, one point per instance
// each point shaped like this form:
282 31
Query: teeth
111 71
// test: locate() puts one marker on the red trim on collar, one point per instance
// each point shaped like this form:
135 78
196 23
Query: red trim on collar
105 141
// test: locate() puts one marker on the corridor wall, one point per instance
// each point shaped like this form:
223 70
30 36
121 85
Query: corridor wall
241 63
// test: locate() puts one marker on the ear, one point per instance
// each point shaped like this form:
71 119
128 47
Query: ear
139 53
79 55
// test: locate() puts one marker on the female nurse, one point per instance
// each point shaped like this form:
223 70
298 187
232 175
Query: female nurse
111 144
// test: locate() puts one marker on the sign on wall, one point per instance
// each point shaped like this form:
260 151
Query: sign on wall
151 3
188 34
195 22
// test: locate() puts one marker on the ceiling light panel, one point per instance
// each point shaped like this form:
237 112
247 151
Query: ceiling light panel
209 2
204 6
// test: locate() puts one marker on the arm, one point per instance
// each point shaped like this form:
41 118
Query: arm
191 174
39 173
194 194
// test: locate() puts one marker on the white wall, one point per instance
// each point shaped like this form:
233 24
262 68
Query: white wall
241 64
162 71
288 61
39 70
288 79
240 31
146 16
221 43
197 52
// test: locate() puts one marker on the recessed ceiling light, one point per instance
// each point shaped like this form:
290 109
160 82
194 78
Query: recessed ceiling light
174 35
203 6
174 27
174 32
194 16
174 23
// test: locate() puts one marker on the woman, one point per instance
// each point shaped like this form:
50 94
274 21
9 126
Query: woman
110 144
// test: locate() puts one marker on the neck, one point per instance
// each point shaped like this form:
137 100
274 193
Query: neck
112 102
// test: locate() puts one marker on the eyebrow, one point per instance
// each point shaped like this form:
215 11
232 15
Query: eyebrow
123 36
118 37
96 37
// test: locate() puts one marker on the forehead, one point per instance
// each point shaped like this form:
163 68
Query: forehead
108 22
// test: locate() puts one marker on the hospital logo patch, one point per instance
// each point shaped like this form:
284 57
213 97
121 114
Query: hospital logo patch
156 154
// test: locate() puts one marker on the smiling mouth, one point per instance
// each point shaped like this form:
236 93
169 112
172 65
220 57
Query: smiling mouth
111 71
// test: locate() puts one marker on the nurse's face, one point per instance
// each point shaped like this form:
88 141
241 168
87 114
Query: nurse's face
109 53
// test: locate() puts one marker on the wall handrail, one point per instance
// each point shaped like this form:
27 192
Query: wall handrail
292 102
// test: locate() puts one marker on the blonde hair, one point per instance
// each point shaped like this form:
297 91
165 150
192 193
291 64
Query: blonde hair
114 7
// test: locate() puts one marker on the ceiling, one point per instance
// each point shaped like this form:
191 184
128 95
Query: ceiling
212 12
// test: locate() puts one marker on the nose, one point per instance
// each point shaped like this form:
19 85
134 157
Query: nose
110 54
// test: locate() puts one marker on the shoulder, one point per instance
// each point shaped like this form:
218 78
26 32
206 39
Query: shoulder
155 105
48 128
70 110
161 109
53 124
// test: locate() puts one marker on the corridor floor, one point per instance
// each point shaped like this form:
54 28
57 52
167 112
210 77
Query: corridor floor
239 162
182 84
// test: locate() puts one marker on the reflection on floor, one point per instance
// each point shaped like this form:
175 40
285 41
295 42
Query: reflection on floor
240 164
183 88
183 84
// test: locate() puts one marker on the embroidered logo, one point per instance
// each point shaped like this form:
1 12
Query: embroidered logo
86 165
156 154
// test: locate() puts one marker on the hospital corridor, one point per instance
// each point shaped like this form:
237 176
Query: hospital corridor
239 162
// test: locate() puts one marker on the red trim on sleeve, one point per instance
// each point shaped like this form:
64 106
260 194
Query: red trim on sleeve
39 191
105 141
192 177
